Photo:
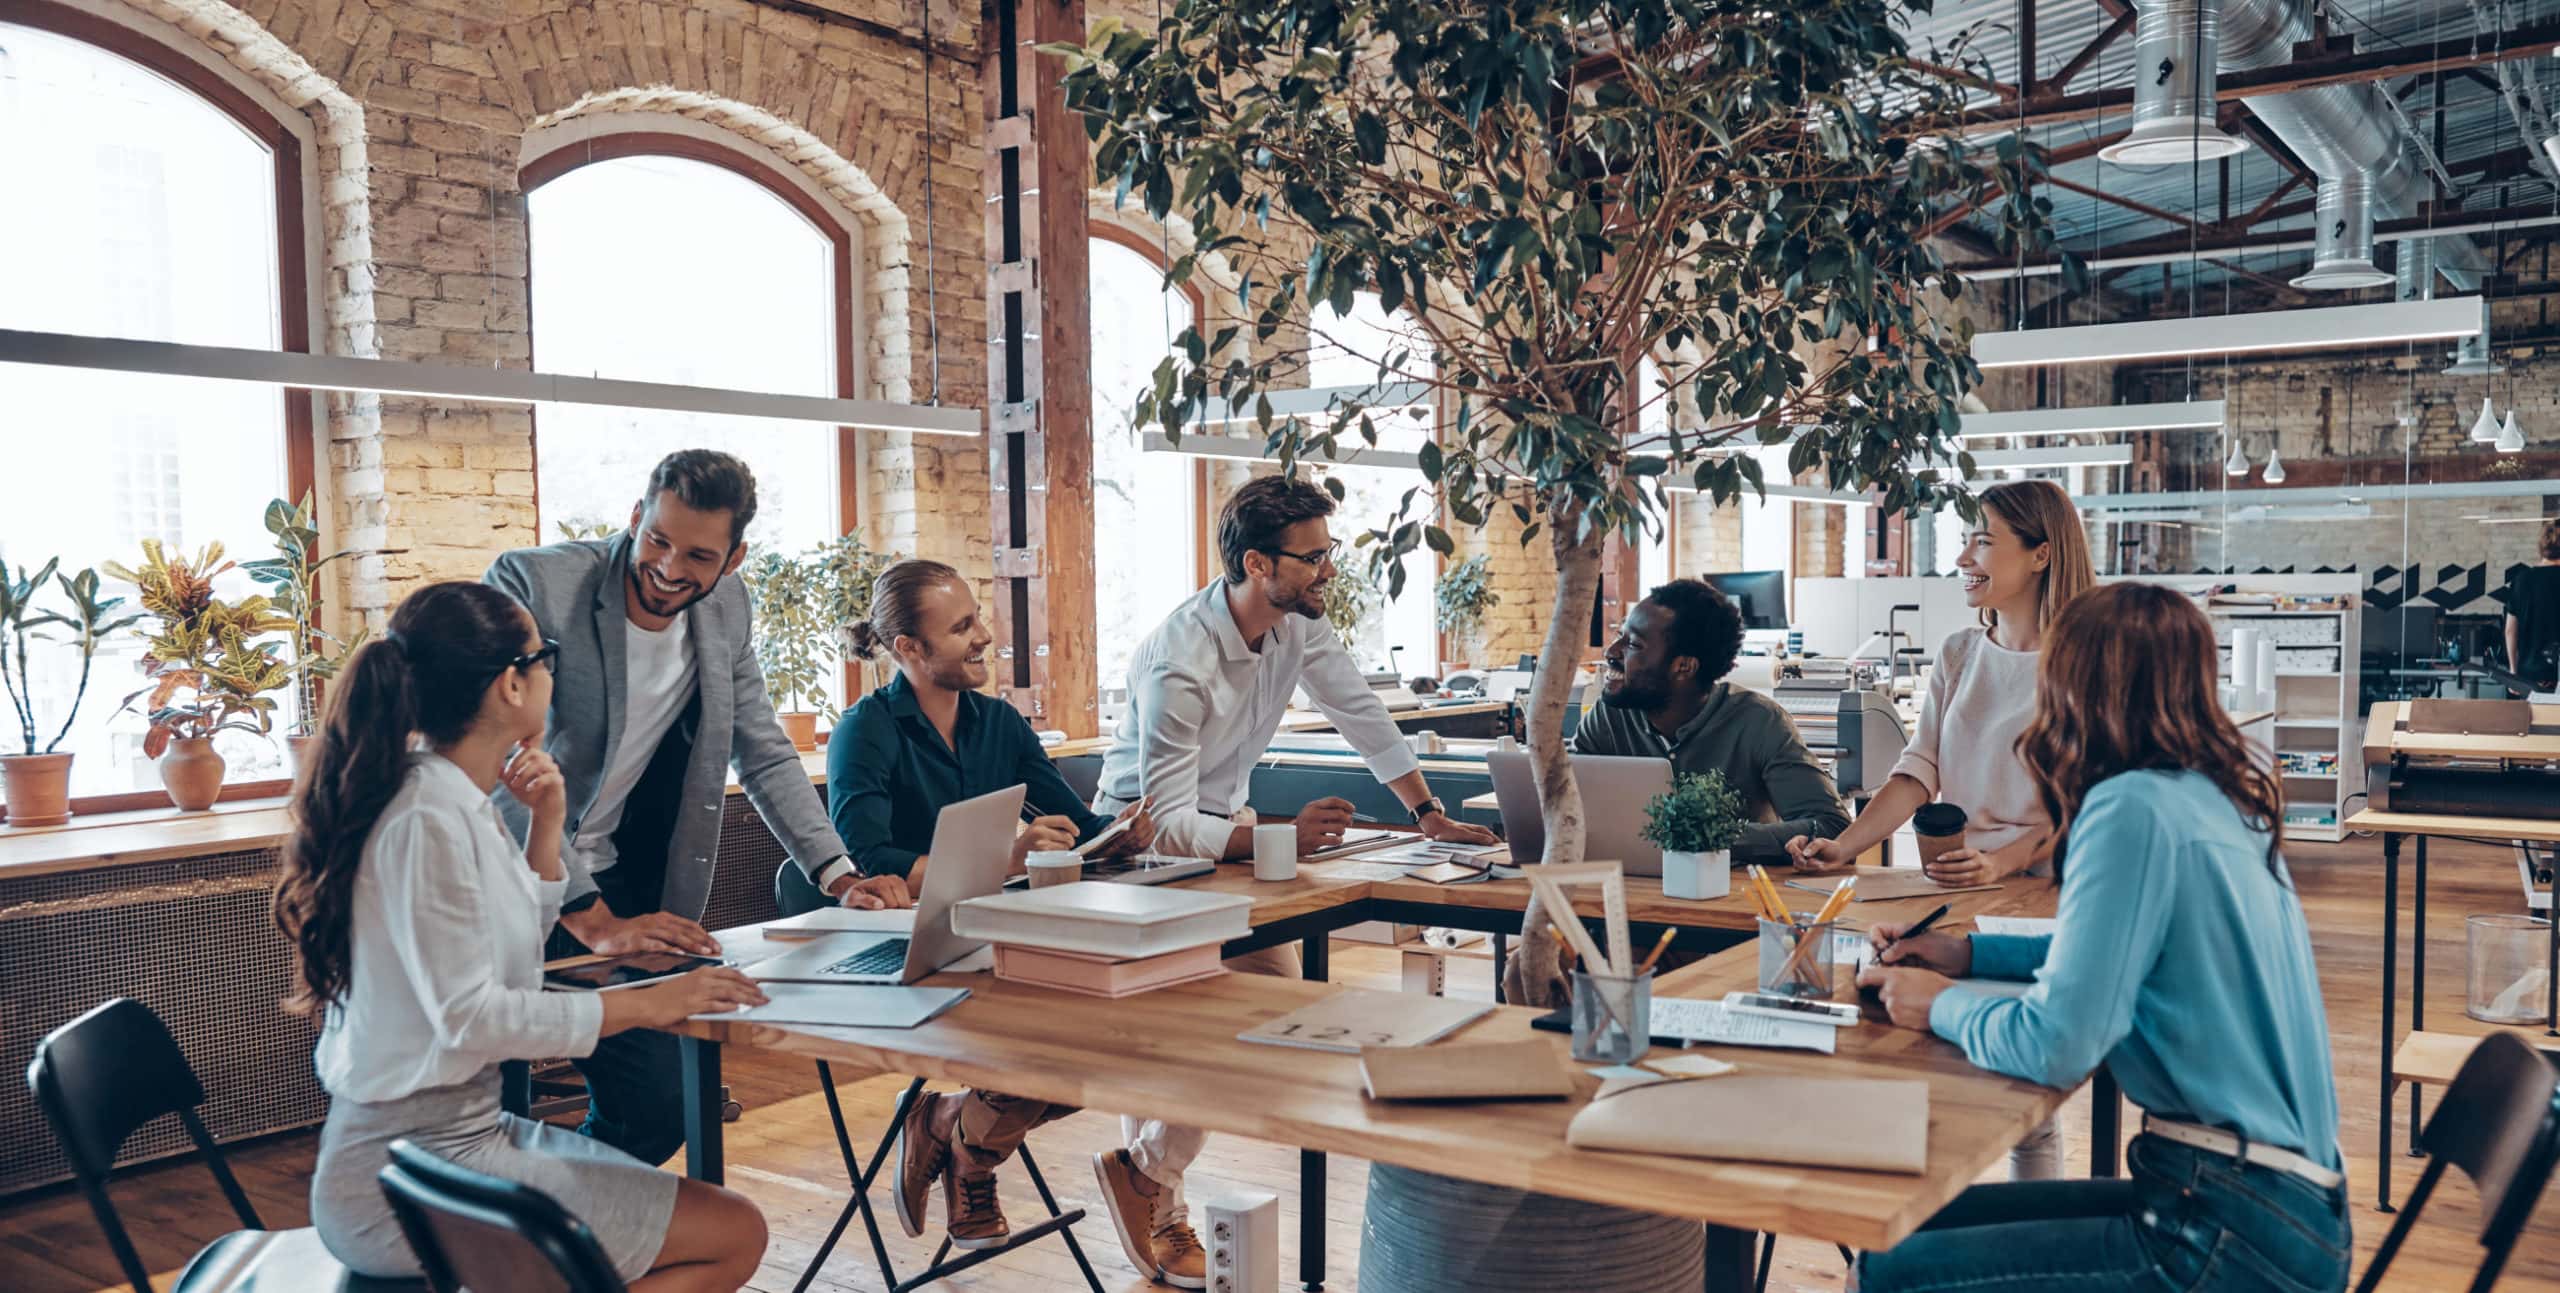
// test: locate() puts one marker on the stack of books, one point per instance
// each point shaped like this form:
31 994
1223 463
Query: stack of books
1105 940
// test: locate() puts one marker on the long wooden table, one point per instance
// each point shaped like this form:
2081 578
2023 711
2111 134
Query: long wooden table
1173 1054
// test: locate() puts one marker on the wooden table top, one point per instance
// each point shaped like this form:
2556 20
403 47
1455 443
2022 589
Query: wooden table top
1173 1053
2539 830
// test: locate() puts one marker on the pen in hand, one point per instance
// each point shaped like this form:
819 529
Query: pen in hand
1916 930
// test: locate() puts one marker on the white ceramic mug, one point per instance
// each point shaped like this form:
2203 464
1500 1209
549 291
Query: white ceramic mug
1054 866
1275 852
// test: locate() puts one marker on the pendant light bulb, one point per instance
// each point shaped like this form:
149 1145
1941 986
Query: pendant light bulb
2484 428
2238 463
2510 437
2275 467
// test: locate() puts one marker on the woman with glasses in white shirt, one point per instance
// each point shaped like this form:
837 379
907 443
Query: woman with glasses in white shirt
418 924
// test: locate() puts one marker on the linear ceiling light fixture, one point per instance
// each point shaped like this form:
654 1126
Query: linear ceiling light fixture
1252 449
283 368
2317 328
2107 419
2112 453
1310 402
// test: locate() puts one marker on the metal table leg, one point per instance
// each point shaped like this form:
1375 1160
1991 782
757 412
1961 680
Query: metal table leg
1729 1260
2551 955
701 1062
2417 981
1316 957
2106 1118
2390 991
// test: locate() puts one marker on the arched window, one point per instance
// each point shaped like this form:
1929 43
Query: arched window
1145 505
1348 349
151 198
666 259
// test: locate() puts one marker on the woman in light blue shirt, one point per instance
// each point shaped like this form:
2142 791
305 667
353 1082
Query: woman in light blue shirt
2180 959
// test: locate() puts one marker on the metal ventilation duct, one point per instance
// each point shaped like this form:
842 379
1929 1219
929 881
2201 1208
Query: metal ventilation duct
2343 257
2176 45
2341 132
2417 280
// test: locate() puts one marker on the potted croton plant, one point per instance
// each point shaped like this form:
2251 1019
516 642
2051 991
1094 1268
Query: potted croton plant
35 783
292 577
1696 823
209 670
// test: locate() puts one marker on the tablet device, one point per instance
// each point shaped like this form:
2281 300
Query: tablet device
625 971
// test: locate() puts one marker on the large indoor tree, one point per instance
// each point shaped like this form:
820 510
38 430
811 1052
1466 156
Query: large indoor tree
1551 190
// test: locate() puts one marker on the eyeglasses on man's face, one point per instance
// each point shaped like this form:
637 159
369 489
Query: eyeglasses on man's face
1317 557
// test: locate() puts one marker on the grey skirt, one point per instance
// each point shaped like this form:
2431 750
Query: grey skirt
626 1202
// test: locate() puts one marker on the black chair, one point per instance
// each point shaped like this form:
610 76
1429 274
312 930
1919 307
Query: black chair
473 1230
2500 1123
99 1079
794 895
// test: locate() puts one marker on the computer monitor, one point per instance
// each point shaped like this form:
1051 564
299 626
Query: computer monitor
1761 596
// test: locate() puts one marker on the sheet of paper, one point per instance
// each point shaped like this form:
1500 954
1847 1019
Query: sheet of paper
2023 926
1687 1065
1363 870
1625 1073
1850 947
1422 852
1708 1021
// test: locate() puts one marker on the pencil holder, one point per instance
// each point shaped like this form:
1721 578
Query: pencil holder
1784 971
1612 1018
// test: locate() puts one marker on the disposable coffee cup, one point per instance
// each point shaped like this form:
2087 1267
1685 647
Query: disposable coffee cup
1275 852
1054 866
1937 828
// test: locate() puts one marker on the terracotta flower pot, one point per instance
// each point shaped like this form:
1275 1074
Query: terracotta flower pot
192 771
802 729
36 788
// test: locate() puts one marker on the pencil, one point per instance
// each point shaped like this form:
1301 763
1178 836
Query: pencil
1659 947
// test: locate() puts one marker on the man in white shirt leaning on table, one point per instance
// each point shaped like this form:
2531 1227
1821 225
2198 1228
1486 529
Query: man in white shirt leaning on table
1206 693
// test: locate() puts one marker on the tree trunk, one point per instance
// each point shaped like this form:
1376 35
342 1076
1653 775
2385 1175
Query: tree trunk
1535 975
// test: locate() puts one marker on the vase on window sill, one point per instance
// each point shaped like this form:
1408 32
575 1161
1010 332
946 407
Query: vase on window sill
802 728
192 772
36 788
297 750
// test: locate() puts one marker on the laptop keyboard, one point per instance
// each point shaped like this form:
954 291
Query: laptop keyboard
887 957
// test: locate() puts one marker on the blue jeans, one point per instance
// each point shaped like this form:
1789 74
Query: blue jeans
2185 1220
635 1084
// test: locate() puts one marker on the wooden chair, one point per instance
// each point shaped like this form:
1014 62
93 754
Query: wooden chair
2499 1123
471 1230
794 895
99 1079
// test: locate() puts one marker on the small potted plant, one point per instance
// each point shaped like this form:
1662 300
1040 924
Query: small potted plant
1465 593
794 639
292 577
579 527
35 784
209 671
1348 599
1695 823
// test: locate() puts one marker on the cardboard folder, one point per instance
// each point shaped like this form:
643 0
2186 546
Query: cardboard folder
1495 1071
1871 1125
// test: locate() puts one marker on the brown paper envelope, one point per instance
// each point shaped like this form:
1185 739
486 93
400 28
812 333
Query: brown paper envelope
1499 1071
1876 1126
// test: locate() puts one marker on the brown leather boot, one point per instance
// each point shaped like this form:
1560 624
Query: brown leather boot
1147 1218
924 1154
973 1219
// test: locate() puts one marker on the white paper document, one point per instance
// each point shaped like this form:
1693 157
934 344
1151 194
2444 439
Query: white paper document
1709 1022
2020 926
1364 870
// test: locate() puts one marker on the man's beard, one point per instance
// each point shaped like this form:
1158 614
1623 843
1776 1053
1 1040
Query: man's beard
1643 694
649 596
952 675
1308 602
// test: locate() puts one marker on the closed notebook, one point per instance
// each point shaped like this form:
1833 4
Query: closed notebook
1870 1125
1496 1071
1353 1020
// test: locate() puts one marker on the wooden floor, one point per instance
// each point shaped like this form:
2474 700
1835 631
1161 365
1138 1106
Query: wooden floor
783 1155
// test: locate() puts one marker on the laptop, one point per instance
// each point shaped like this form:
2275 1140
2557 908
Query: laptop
1615 789
972 850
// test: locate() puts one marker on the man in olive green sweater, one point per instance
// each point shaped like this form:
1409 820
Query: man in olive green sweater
1663 694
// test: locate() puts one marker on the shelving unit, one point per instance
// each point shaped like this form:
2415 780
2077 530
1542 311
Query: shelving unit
2315 708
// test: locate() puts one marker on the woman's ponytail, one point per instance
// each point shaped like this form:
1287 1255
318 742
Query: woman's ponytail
425 676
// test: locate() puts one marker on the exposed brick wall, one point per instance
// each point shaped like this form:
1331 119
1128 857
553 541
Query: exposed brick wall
423 111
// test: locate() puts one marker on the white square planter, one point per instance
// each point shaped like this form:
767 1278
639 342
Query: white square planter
1697 876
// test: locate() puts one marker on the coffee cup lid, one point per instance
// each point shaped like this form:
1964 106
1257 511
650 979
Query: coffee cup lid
1938 819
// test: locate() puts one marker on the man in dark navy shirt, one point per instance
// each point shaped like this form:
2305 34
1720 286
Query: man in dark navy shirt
929 739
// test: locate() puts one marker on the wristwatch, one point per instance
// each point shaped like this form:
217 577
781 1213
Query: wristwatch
1426 808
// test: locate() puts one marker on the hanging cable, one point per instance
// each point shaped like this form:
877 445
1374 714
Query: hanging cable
932 300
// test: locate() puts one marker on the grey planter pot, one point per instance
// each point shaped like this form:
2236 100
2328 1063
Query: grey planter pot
1429 1234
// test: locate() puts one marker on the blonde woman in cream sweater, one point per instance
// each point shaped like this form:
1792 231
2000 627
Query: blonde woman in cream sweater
2027 558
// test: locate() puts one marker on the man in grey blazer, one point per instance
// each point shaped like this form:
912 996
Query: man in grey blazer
658 697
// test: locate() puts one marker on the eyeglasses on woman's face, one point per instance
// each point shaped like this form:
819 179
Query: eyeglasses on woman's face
548 657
